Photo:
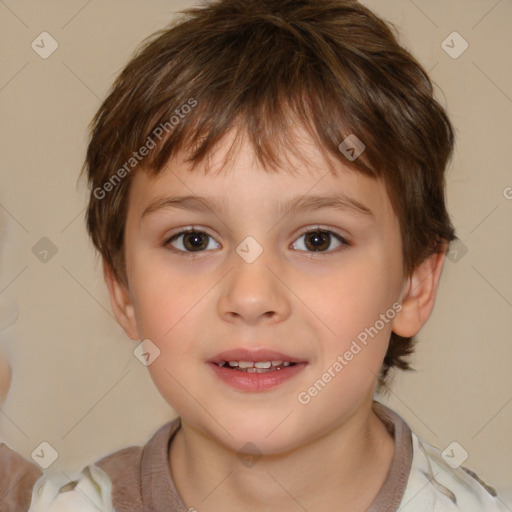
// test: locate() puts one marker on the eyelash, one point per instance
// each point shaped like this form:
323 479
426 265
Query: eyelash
345 242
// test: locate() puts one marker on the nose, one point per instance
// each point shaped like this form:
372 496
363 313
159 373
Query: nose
253 293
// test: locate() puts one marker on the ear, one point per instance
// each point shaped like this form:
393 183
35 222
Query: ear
121 302
418 296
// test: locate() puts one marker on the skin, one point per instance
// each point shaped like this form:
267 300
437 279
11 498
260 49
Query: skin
333 453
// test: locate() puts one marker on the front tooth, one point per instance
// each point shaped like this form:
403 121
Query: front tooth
233 363
277 363
245 364
263 364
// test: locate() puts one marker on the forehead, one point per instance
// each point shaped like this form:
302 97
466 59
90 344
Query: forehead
232 178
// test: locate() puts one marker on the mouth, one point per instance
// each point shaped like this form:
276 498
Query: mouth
256 367
254 361
255 370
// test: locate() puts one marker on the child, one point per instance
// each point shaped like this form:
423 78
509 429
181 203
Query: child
267 195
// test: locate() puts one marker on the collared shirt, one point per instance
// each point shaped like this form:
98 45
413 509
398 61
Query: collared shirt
419 478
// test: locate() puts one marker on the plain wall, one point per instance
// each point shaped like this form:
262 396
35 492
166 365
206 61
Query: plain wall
76 382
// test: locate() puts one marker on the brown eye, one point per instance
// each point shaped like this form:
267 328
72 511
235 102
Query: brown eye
195 240
190 241
320 240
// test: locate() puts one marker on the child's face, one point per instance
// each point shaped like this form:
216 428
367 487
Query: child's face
308 305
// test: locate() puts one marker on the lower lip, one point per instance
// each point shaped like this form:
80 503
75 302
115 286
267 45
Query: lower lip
256 381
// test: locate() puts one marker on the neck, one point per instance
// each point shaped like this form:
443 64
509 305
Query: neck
341 470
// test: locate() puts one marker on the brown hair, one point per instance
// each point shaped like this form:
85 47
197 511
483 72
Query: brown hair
331 65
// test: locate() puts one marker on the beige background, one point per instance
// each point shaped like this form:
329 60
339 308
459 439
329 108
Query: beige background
76 383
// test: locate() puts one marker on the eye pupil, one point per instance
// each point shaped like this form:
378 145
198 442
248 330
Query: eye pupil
195 240
319 240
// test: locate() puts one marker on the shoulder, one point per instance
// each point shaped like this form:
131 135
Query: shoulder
437 482
17 479
123 469
130 469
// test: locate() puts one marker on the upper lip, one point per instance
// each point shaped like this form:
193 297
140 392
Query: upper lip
255 355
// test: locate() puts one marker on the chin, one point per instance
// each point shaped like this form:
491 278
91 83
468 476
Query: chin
263 434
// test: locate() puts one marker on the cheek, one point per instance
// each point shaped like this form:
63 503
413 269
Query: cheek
357 307
161 314
358 294
162 297
170 312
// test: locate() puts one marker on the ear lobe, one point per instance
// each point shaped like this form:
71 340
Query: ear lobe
418 296
121 302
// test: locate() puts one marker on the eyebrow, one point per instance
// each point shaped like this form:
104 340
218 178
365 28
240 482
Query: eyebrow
296 204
